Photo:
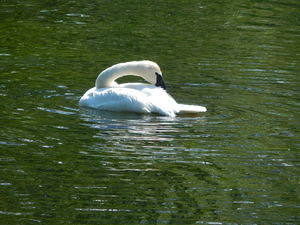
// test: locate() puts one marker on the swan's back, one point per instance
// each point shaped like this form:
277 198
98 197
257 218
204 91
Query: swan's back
132 97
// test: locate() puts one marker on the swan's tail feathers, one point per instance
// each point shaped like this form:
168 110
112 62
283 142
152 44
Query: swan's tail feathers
191 108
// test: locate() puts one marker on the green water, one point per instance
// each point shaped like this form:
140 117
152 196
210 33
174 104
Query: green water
239 163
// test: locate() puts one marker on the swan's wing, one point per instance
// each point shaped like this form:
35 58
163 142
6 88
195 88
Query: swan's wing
115 99
125 99
191 108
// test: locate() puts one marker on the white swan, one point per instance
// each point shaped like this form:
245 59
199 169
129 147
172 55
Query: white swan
134 97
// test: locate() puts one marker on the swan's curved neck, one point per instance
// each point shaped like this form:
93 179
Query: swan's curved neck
108 76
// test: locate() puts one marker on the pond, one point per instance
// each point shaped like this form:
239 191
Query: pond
237 163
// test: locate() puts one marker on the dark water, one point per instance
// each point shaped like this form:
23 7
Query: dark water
239 163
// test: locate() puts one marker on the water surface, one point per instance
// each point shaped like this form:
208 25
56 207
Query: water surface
236 164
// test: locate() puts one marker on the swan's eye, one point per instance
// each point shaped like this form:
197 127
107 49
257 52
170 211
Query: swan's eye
159 81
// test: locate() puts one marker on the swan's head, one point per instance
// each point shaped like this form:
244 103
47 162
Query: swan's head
149 70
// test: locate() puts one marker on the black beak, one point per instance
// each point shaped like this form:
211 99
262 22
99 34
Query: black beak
160 82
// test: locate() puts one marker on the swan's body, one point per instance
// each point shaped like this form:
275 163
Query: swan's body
134 97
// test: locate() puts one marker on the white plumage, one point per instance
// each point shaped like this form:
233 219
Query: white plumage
134 97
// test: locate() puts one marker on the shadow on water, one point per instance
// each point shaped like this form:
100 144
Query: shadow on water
113 115
238 163
129 125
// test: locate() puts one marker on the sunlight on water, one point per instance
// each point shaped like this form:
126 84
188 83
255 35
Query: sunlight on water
238 163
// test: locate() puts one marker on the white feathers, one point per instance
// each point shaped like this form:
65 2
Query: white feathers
134 97
191 108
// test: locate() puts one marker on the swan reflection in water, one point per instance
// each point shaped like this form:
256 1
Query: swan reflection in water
135 126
